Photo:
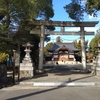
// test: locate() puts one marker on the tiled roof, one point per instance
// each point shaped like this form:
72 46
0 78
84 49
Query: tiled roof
63 46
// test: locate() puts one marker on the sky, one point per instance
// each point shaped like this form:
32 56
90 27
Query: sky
61 15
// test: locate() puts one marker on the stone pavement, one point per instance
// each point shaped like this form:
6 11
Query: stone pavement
63 75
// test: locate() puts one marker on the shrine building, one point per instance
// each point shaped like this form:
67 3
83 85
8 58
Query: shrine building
62 52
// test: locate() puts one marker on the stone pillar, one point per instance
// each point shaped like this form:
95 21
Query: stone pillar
41 52
83 48
98 60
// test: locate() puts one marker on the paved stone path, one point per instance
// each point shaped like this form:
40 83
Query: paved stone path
62 75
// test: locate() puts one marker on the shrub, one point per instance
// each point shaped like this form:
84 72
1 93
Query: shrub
3 57
89 55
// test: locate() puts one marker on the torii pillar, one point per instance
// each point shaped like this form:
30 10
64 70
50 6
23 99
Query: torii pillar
83 47
41 50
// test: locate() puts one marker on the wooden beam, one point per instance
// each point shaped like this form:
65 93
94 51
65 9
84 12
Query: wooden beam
63 23
61 33
67 33
35 32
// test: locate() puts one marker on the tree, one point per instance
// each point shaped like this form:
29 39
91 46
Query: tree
93 6
14 28
13 16
47 47
77 8
94 42
77 44
58 39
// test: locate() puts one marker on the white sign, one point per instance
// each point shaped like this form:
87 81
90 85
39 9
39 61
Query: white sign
63 56
71 56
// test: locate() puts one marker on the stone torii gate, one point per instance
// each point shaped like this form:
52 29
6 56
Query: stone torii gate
62 24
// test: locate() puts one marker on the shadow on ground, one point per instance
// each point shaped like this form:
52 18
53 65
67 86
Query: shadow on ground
68 70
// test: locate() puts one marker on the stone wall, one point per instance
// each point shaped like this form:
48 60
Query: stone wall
3 75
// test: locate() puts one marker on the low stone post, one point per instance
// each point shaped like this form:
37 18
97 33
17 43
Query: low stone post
93 68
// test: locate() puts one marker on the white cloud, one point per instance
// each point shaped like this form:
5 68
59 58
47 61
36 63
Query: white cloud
88 29
83 1
91 17
95 18
91 29
56 36
73 29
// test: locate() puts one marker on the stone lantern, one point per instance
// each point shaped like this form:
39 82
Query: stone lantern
27 50
26 67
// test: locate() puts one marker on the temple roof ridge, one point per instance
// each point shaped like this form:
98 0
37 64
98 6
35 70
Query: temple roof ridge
63 46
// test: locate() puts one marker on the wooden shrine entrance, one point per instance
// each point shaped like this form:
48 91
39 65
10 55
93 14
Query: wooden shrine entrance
62 24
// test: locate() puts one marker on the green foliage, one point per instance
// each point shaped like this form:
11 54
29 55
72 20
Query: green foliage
92 7
3 57
18 11
14 29
58 39
13 15
47 47
94 42
77 44
89 56
75 10
6 43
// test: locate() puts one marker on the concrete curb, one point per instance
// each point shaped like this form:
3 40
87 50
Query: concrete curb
58 84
